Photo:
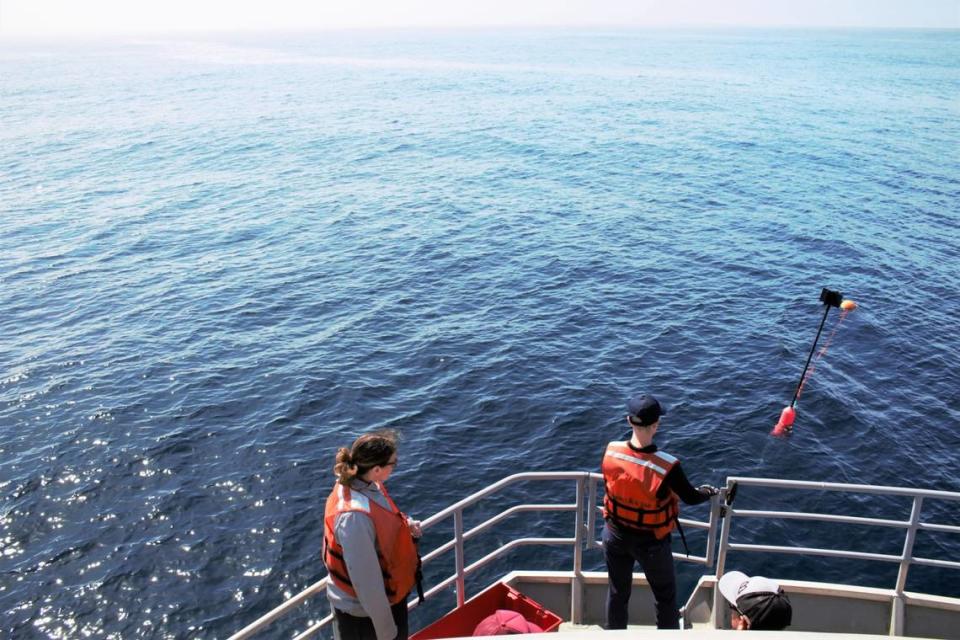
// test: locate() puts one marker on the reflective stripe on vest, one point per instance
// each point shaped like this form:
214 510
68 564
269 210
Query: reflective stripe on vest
632 481
347 501
632 460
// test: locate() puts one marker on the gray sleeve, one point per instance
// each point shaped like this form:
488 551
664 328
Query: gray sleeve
355 533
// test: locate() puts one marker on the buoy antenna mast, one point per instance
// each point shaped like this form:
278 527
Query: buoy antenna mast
830 299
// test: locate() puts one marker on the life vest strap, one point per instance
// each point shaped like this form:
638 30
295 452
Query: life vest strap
620 506
340 576
641 519
330 550
625 507
640 524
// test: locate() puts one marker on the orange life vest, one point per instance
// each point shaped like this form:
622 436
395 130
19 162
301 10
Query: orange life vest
632 480
396 550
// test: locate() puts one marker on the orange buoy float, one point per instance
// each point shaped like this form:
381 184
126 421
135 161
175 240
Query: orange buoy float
787 416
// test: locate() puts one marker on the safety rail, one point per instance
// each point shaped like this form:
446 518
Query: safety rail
905 559
585 508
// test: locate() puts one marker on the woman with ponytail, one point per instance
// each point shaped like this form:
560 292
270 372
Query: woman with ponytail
369 545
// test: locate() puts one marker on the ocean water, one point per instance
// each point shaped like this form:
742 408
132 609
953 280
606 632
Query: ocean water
223 257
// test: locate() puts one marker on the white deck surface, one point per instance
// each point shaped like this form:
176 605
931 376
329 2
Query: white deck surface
586 632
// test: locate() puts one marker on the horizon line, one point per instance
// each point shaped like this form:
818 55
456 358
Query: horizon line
188 31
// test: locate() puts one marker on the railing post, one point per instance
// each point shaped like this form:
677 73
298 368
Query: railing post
897 610
719 608
591 512
458 555
712 532
576 594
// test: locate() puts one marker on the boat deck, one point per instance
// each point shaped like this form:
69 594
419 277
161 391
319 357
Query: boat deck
578 597
818 607
645 632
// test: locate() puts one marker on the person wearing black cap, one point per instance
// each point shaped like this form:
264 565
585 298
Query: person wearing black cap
756 603
643 488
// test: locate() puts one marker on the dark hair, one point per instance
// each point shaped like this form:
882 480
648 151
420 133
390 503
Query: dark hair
368 451
634 422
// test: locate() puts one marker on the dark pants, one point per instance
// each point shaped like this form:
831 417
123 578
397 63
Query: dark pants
621 549
347 627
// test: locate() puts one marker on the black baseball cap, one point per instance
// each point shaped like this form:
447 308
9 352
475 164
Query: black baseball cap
644 410
760 599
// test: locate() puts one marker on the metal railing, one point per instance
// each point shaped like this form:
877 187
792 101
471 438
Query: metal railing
905 559
586 510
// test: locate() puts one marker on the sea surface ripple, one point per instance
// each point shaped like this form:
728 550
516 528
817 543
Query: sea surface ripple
222 258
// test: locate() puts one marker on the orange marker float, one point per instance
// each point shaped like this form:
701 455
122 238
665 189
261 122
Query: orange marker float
829 299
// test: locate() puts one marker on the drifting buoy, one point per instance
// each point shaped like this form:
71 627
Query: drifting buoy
829 299
787 416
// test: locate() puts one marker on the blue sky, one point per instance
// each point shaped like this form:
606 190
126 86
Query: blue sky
79 17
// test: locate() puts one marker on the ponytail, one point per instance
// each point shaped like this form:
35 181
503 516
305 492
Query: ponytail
344 469
368 451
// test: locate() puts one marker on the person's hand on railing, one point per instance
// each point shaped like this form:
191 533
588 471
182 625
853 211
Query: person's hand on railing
415 529
708 490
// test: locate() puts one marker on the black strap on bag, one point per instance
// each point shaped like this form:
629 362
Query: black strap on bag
418 576
683 538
